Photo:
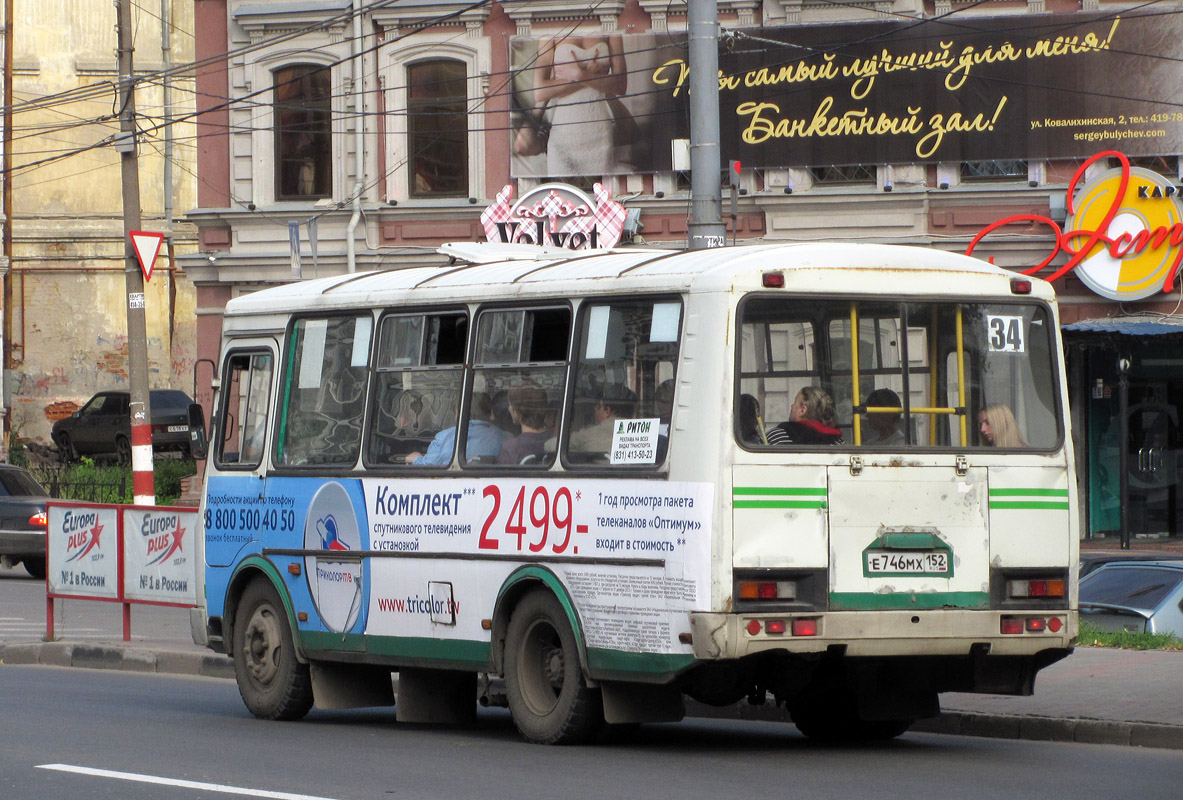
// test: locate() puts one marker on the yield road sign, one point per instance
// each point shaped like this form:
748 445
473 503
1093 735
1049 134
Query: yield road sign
147 246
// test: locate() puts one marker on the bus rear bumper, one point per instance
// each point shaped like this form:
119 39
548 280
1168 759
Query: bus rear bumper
940 632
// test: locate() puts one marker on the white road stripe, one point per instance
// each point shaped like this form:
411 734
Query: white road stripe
204 787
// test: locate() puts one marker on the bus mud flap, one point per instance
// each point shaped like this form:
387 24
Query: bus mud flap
641 702
342 686
436 696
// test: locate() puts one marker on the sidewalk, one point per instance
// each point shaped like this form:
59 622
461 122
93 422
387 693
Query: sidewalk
1096 695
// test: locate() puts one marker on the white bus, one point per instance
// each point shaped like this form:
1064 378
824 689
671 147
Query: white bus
627 478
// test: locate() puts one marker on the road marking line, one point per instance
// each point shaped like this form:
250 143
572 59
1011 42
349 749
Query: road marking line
205 787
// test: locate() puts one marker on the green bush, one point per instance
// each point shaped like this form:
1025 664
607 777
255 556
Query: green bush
102 482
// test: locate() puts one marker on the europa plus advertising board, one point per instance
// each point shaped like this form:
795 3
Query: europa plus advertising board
633 556
958 89
156 562
158 553
83 550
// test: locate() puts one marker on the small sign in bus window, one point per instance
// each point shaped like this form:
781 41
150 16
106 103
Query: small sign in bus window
1005 334
634 441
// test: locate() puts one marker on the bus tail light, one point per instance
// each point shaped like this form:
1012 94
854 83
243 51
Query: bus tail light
777 627
768 590
1011 626
805 627
1051 588
1020 285
774 280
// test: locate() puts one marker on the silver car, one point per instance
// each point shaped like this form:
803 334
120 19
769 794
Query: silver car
1134 597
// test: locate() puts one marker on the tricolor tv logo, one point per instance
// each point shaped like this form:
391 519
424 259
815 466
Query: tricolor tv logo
331 531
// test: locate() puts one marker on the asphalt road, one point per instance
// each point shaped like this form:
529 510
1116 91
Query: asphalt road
101 734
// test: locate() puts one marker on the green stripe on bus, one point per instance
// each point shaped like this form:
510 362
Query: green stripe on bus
451 652
779 504
780 490
1028 492
603 663
874 601
1036 505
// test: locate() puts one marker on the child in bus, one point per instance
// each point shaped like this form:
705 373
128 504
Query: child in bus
883 427
812 419
751 426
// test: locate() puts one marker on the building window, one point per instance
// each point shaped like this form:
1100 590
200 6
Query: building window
303 132
853 173
1163 165
437 128
994 170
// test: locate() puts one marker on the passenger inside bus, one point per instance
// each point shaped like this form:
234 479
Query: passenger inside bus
998 427
530 409
484 438
751 427
614 401
812 420
883 428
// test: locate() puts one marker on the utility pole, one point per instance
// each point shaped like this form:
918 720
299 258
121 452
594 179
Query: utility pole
143 484
6 165
706 222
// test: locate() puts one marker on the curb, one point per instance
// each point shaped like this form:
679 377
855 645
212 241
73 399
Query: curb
129 659
956 723
1054 729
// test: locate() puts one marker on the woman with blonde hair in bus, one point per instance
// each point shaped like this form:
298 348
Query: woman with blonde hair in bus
812 420
998 427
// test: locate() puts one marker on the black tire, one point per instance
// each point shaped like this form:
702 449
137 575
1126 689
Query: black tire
548 697
66 449
122 450
35 566
272 682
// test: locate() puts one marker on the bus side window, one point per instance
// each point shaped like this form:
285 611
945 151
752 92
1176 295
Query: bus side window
417 385
242 422
624 383
519 377
778 358
324 391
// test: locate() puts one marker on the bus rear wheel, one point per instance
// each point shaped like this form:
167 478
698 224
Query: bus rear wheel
272 682
548 697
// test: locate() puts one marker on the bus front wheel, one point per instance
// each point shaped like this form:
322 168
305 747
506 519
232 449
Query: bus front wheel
272 682
548 698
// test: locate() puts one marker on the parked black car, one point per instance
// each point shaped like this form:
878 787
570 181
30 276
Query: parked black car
102 427
22 520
